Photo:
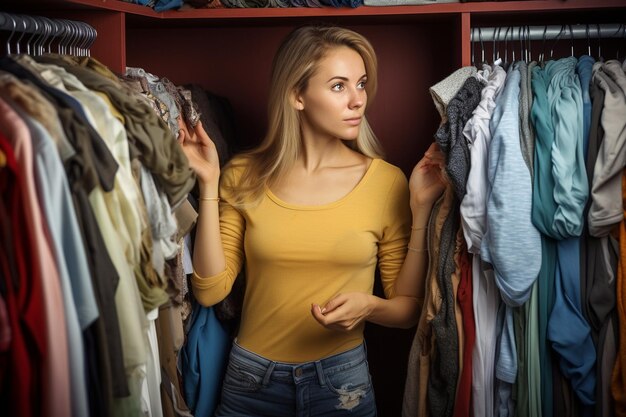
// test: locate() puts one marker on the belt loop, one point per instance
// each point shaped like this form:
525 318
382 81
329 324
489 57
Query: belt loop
320 373
268 373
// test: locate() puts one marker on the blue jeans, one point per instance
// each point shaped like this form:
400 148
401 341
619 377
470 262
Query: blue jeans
339 385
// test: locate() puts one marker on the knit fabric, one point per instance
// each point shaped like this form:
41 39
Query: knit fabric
450 137
446 89
444 368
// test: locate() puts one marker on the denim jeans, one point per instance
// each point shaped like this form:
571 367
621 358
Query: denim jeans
339 385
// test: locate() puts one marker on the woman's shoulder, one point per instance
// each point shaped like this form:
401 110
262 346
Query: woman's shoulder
387 172
234 169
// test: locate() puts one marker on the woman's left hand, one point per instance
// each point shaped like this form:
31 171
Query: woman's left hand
428 180
343 312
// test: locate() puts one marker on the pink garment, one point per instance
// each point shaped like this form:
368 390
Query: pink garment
55 372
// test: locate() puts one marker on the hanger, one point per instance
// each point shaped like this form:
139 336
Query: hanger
558 37
496 47
482 46
542 55
512 46
70 37
46 30
23 32
521 43
621 38
55 32
64 35
588 40
506 46
528 44
571 34
8 44
600 58
30 43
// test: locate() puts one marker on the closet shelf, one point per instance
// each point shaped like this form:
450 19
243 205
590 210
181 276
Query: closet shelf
299 12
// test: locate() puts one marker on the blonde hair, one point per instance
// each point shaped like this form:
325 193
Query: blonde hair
294 64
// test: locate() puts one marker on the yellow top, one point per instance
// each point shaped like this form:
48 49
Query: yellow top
298 255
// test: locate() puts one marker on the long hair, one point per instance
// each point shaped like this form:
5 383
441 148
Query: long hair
294 64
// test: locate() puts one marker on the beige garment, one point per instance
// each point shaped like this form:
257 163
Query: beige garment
169 327
186 217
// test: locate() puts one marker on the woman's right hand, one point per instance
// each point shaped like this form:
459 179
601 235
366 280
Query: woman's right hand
202 154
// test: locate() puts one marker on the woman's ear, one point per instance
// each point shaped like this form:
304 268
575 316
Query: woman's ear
296 101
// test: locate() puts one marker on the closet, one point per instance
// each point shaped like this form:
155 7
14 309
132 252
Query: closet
229 52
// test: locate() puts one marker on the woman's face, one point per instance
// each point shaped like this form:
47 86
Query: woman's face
334 101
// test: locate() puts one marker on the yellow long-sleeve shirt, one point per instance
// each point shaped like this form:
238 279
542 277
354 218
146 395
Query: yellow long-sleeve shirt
298 255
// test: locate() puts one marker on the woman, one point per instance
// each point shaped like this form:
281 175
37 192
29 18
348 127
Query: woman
312 211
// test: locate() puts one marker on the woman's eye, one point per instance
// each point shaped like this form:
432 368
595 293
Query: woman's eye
337 87
361 84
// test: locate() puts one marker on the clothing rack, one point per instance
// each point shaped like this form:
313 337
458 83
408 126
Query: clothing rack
553 33
533 33
70 36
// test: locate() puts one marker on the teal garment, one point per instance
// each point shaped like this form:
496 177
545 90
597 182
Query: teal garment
545 303
567 329
560 186
202 361
543 206
543 182
568 162
561 191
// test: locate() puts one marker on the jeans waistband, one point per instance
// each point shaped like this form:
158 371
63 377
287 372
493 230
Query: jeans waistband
299 371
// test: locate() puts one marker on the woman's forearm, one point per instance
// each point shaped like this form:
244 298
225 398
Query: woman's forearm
410 280
208 254
400 311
